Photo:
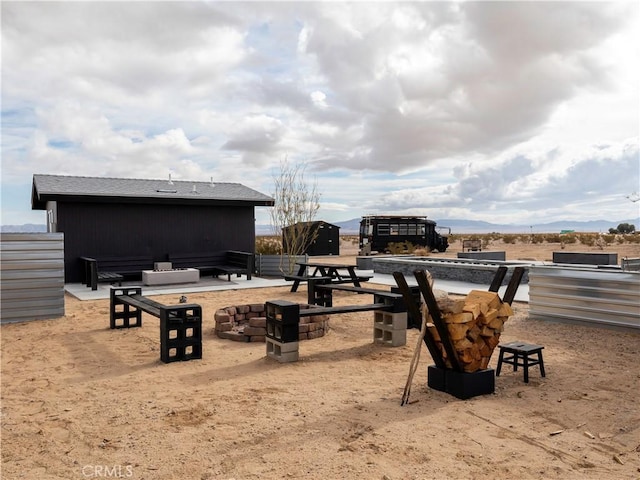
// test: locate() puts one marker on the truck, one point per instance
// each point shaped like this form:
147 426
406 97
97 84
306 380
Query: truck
378 231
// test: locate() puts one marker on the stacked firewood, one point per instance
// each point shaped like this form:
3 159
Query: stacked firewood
474 325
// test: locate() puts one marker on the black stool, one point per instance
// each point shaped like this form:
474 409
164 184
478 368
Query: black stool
520 353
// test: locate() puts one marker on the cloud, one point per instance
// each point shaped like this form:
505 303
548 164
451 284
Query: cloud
438 107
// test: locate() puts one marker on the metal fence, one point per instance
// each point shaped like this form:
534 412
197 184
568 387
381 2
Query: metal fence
32 276
585 295
273 265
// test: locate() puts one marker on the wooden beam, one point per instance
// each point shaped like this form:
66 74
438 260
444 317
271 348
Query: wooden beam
414 311
439 323
497 279
514 283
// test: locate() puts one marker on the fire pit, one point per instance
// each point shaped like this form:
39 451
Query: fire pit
248 323
174 275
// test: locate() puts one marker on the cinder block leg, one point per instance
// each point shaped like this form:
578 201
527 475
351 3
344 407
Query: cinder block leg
282 352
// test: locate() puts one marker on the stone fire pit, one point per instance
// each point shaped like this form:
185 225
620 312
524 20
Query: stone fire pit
247 323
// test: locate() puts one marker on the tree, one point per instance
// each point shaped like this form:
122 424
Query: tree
296 205
625 228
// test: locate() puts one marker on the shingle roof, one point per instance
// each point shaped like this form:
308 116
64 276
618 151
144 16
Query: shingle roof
132 190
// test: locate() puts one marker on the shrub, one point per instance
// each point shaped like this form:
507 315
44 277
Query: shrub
587 239
608 239
397 248
632 238
569 238
536 238
553 238
268 246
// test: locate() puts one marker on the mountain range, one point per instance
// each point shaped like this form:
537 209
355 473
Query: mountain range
457 226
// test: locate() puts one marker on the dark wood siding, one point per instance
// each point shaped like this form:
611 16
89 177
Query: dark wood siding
107 230
327 242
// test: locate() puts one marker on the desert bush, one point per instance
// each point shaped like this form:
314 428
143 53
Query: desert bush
510 239
568 238
587 239
608 239
421 252
633 238
268 246
537 238
553 238
397 248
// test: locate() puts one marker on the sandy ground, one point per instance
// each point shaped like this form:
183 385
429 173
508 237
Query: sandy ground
82 401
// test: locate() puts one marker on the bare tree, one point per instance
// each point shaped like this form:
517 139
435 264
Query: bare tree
295 208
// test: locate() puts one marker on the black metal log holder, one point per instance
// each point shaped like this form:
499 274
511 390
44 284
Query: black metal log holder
453 380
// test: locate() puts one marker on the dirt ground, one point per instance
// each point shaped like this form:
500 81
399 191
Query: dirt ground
82 401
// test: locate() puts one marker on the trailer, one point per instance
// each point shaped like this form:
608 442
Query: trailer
378 231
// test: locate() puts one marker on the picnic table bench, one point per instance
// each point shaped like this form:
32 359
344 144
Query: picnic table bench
180 325
113 269
324 272
230 262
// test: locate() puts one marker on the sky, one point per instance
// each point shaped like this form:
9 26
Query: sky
506 112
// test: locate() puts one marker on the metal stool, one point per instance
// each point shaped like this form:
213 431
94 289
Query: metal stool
520 353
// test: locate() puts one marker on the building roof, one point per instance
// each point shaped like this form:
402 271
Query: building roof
133 190
313 223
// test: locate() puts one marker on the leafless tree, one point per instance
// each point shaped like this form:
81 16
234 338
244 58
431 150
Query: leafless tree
296 205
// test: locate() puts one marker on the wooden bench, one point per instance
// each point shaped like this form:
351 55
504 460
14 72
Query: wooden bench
237 263
313 310
228 262
180 325
298 279
113 269
322 294
333 281
283 318
472 245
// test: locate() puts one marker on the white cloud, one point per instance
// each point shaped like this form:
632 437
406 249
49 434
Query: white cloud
476 109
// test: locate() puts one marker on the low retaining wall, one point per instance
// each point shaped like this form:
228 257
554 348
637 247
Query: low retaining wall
586 258
496 255
463 270
248 323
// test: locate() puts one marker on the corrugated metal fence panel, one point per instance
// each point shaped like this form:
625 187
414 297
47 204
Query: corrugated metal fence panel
595 296
32 282
270 265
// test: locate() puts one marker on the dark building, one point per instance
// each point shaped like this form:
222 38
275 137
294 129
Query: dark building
326 237
112 217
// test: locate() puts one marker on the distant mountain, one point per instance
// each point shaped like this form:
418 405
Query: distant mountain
351 227
471 226
26 228
457 226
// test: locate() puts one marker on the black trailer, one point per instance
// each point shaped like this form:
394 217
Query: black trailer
378 231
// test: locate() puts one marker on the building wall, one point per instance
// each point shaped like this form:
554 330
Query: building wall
112 230
327 242
32 286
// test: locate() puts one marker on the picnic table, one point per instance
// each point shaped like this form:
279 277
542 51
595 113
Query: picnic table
331 272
